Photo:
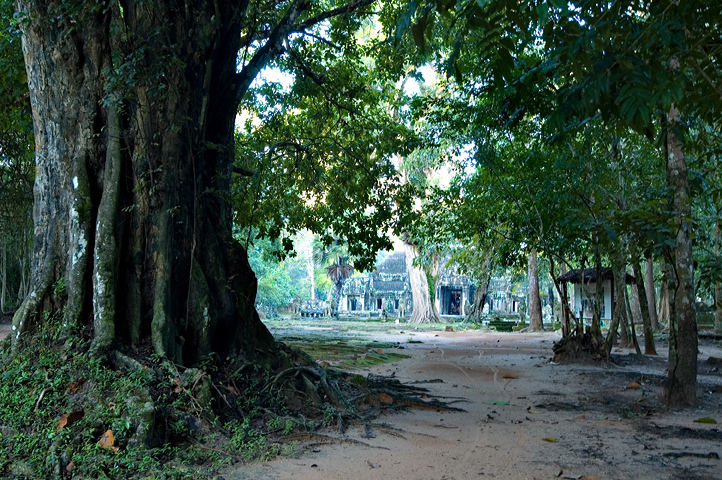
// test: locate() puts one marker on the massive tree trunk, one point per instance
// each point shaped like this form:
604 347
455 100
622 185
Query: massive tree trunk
535 311
681 386
424 307
134 114
651 295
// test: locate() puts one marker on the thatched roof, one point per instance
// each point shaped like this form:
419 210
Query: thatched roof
590 275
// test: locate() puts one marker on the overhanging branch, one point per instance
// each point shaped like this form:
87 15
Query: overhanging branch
274 44
273 47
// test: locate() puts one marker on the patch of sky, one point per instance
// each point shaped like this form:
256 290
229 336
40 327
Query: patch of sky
274 75
426 74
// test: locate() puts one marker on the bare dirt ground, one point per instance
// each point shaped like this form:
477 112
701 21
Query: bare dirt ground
524 418
5 325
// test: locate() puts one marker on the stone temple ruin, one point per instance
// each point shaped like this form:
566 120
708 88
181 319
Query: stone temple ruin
387 290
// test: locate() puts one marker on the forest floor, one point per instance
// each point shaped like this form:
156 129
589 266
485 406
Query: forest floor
524 417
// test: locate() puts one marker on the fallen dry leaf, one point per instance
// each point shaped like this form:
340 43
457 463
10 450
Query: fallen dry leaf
580 418
69 418
107 441
379 351
634 386
510 376
385 398
69 468
73 387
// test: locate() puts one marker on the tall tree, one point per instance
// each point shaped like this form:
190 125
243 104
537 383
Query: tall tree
535 313
134 107
338 272
649 348
681 386
717 283
424 309
651 295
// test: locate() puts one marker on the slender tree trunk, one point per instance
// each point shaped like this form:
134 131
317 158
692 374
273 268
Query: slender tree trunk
663 310
625 341
649 348
634 303
651 295
22 288
312 277
632 330
4 279
131 207
599 292
424 307
681 387
717 283
336 299
618 301
563 298
535 310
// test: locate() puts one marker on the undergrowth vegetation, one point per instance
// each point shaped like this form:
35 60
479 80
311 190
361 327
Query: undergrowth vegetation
66 415
59 407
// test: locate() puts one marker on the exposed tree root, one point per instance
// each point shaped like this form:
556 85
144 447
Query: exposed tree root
220 409
576 348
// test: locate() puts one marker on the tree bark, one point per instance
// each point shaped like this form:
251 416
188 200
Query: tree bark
663 310
618 301
598 289
624 338
651 295
335 299
632 330
424 308
535 311
482 291
131 206
681 387
4 278
635 304
649 348
563 297
717 283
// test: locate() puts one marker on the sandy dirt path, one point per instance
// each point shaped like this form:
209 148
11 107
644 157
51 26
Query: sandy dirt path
598 426
5 329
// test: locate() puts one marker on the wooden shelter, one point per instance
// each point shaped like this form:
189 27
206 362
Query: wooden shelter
580 303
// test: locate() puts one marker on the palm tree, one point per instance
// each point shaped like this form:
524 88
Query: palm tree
338 273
